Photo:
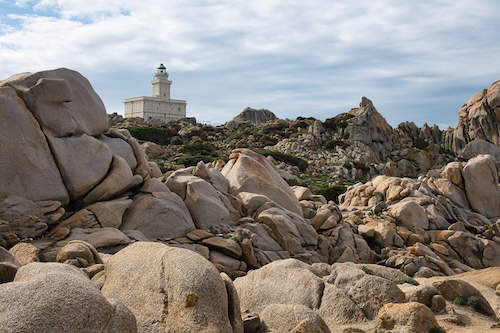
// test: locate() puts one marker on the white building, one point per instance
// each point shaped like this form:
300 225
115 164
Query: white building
160 105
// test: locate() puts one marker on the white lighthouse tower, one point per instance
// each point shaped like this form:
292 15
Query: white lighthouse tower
159 106
161 83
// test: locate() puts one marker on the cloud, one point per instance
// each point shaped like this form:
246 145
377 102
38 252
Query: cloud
417 61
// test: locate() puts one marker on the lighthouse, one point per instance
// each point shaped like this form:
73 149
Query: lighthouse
159 106
161 83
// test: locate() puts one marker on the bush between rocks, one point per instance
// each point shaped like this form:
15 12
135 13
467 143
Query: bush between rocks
157 135
289 159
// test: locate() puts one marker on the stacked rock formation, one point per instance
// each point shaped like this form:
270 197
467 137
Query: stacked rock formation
90 227
479 119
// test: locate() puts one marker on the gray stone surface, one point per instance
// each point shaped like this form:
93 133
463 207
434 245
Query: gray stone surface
83 170
168 289
253 116
481 185
63 101
28 304
159 215
27 166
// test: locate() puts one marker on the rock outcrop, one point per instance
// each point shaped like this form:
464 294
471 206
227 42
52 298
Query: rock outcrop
250 174
477 119
168 289
28 303
481 185
444 222
142 249
31 171
59 113
253 116
410 317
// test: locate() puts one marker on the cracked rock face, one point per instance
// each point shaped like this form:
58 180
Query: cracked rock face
55 146
31 171
51 115
479 118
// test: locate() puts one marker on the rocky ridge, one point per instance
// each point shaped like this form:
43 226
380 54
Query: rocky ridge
330 155
230 246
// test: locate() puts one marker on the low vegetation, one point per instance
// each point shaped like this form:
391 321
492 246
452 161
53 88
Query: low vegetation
409 280
367 270
319 184
338 122
333 144
159 135
288 159
192 153
460 300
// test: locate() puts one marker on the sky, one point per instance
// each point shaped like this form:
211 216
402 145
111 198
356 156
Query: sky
416 60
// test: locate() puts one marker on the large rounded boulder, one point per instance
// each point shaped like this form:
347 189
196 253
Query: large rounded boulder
63 101
52 298
481 185
169 289
287 281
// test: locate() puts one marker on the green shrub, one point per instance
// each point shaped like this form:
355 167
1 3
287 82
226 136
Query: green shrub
437 329
194 159
234 237
473 301
157 135
409 280
195 152
332 144
420 143
314 182
237 239
460 300
332 192
359 214
337 122
162 166
289 159
241 131
274 128
199 148
300 123
367 270
318 184
265 140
